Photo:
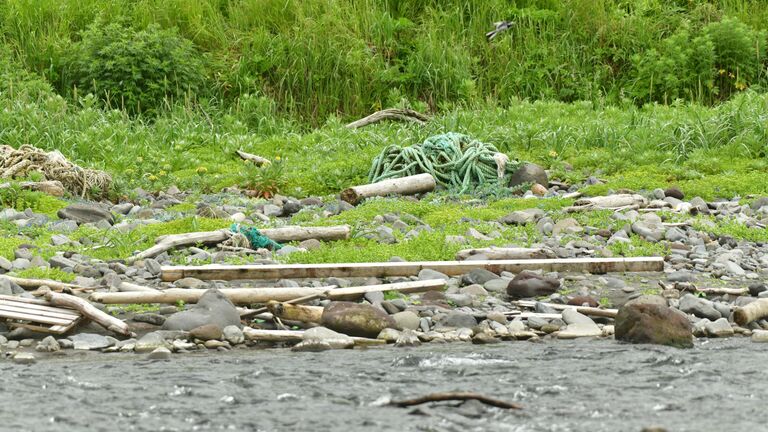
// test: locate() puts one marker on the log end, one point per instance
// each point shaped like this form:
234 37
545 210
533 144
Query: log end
350 195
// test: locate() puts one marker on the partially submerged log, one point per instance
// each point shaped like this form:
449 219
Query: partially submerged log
497 253
261 335
411 185
452 396
390 114
50 187
88 310
283 234
754 311
257 160
294 312
391 269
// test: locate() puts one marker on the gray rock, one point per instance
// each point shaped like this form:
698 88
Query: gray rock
578 325
456 319
567 226
478 276
233 335
212 308
406 320
407 339
190 282
150 342
122 209
311 244
90 341
85 213
385 235
497 285
150 318
681 276
272 210
24 358
59 261
699 307
322 338
460 300
21 264
5 264
206 332
647 231
535 322
159 353
474 290
527 174
48 344
152 266
675 234
427 274
719 328
522 217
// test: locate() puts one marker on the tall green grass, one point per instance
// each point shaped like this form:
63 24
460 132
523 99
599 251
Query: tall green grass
314 59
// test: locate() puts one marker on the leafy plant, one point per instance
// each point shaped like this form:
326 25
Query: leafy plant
265 181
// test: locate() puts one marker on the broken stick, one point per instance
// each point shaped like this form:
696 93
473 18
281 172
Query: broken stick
461 396
52 284
257 160
410 185
88 310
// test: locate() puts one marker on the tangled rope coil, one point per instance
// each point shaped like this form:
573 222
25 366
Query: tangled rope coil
456 161
255 238
54 166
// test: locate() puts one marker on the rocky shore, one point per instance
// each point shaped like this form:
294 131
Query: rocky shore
707 276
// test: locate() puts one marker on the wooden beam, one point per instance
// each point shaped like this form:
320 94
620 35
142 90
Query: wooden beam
390 269
236 295
606 313
410 185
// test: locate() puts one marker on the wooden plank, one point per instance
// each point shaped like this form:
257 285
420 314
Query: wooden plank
34 306
390 269
26 310
34 318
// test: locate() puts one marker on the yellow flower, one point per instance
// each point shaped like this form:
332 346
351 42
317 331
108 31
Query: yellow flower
152 178
139 159
731 75
741 86
721 71
202 170
552 154
162 173
277 158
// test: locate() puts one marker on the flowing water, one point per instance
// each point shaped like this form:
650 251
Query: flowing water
596 385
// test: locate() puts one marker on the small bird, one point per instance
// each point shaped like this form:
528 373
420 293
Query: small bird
500 27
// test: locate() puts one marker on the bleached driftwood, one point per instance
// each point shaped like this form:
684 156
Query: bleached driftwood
282 234
390 114
296 336
607 313
410 185
52 284
453 396
610 202
257 160
88 310
497 253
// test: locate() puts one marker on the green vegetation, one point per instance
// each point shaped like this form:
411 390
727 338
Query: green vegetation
45 273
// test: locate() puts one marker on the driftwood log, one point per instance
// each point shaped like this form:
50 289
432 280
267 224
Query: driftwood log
283 234
295 312
455 396
263 295
50 187
410 185
497 253
89 311
610 202
296 336
390 114
607 313
754 311
257 160
391 269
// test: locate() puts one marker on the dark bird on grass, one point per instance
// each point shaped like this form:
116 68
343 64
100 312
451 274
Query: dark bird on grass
501 26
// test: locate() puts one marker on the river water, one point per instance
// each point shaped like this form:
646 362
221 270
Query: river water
596 385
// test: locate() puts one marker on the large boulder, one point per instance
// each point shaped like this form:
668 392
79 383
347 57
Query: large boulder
355 319
527 284
529 173
212 308
653 323
85 213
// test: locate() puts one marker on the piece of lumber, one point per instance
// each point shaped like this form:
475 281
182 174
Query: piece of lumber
132 287
607 313
390 114
354 293
391 269
497 253
410 185
89 311
282 234
235 295
257 160
37 283
295 312
455 396
296 336
752 312
721 291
